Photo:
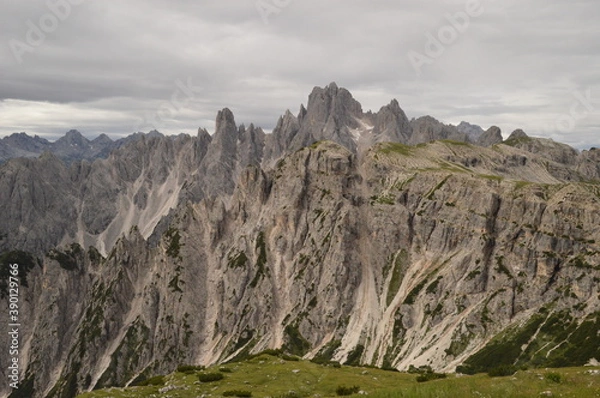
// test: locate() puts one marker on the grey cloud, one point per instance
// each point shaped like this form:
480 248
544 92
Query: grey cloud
110 64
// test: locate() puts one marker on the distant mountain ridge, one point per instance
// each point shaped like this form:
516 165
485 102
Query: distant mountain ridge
331 114
71 147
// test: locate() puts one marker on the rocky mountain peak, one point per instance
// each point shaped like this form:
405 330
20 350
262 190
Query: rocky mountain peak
74 137
48 156
24 142
71 145
391 124
428 128
102 139
302 112
225 122
332 100
330 115
202 132
492 136
154 133
284 132
472 130
517 134
556 151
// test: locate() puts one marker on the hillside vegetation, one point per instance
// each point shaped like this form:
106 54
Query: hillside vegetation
271 376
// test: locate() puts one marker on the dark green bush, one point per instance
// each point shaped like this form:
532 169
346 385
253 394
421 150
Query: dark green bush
289 394
430 376
343 390
420 370
225 370
465 369
502 370
238 393
355 355
153 381
554 377
189 369
208 377
269 351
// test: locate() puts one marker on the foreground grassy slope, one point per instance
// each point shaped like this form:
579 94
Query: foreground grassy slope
270 376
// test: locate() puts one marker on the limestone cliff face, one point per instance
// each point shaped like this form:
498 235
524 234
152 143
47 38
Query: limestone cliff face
402 258
197 250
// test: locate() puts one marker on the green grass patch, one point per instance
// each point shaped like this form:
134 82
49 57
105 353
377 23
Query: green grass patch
296 343
401 263
69 259
240 260
173 242
355 355
431 194
390 148
189 369
491 177
261 260
412 295
153 381
237 393
267 376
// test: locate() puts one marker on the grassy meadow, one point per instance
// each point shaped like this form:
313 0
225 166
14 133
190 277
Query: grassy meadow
272 376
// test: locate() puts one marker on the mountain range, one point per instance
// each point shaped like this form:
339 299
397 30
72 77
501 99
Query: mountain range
344 235
73 146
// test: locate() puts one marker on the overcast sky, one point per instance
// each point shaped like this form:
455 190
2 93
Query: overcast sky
116 67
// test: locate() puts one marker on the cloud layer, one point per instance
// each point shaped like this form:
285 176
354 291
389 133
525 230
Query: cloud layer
116 67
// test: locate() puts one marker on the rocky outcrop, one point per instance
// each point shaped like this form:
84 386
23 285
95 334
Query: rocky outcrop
391 125
471 130
330 115
588 164
427 129
556 151
492 136
277 143
333 114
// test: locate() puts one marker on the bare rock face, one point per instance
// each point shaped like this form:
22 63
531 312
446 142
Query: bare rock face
589 164
47 203
197 250
22 145
37 201
334 115
427 129
471 130
392 125
492 136
277 143
330 114
560 153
